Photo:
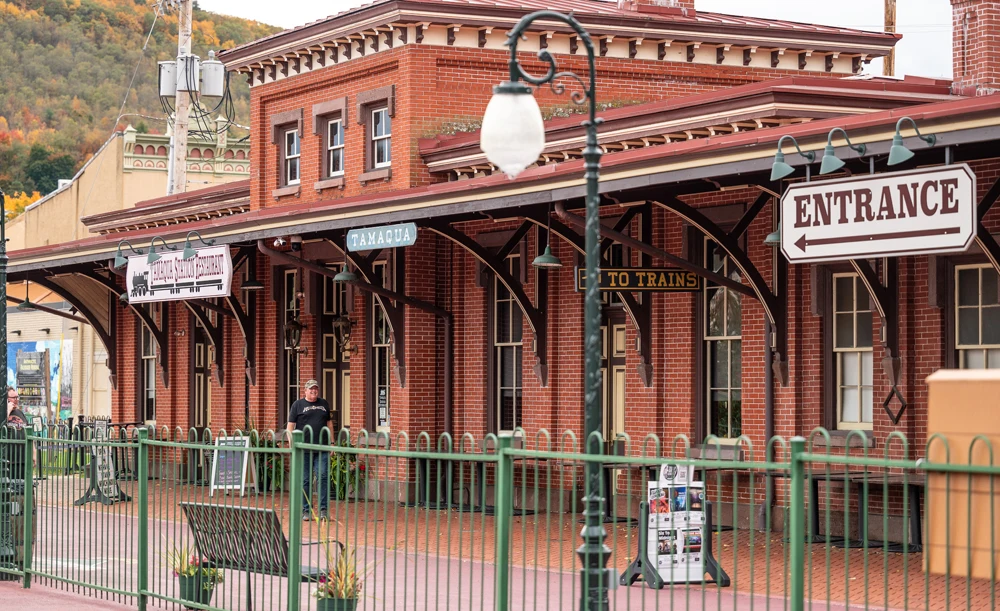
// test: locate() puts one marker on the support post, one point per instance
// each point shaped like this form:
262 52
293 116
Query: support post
143 560
182 109
29 507
3 294
504 504
295 520
797 535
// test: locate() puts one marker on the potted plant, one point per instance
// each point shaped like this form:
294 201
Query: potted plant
270 465
340 587
348 474
196 578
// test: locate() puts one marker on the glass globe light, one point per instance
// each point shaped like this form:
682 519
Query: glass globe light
513 134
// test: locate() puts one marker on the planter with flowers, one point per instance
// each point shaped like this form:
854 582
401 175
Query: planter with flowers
348 474
196 578
340 587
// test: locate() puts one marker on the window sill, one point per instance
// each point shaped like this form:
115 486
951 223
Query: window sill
337 182
376 174
846 439
286 191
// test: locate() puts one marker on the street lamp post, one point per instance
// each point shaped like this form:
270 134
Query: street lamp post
513 136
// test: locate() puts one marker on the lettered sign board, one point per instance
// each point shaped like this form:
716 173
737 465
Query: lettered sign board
915 212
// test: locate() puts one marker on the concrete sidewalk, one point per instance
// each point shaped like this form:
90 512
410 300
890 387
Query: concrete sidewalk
44 598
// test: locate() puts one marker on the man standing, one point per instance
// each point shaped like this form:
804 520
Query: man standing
17 423
312 415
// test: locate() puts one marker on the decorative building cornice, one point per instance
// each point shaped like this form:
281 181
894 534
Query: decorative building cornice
698 38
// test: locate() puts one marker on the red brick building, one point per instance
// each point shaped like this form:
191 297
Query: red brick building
370 118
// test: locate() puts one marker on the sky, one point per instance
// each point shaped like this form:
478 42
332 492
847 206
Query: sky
925 49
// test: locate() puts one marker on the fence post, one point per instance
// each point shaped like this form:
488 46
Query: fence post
504 508
29 507
796 522
295 493
143 494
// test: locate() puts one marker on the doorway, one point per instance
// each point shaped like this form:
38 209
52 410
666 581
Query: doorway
613 372
335 352
201 398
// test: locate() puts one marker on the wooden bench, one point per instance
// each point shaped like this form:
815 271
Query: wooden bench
244 539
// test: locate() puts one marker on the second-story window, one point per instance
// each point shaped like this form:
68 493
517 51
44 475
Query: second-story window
381 138
335 148
292 154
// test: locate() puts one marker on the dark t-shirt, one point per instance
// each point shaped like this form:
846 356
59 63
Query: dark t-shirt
17 424
313 414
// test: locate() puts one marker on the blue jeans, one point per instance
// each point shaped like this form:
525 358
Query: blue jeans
317 463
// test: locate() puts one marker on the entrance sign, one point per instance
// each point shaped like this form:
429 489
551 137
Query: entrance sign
925 211
642 279
229 467
386 236
208 274
103 487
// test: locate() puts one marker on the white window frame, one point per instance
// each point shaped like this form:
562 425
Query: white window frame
148 350
377 138
726 339
989 353
290 309
381 339
514 343
289 158
863 353
331 148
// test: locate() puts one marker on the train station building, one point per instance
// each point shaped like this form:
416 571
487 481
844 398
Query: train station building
369 119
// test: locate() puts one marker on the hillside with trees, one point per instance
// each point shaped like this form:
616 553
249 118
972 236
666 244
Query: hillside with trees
66 66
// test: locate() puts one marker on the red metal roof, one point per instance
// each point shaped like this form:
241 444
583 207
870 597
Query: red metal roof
296 214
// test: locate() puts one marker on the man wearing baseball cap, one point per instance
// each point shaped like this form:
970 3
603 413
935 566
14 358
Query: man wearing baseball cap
312 415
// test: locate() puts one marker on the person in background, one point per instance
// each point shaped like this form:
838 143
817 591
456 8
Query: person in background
17 424
311 415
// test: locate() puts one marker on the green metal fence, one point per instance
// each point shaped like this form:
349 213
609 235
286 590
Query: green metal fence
494 523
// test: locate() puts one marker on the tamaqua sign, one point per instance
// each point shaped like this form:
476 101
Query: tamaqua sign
208 274
386 236
925 211
640 279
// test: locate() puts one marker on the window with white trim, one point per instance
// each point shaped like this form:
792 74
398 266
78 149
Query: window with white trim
508 351
292 153
852 350
289 313
977 319
381 138
334 148
380 349
148 348
723 348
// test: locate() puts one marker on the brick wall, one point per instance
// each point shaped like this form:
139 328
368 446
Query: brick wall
975 46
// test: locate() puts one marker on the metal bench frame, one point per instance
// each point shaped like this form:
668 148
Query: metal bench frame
245 539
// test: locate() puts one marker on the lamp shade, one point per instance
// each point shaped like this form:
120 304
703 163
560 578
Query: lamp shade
252 285
25 306
513 134
547 260
345 275
774 238
897 152
189 251
830 163
120 261
780 169
152 257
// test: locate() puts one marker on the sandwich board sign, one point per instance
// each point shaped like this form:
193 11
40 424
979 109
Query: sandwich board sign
230 467
914 212
676 525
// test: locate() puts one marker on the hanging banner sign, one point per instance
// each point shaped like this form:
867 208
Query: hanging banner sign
208 274
386 236
925 211
636 279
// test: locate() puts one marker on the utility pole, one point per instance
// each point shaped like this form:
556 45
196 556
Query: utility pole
889 66
182 109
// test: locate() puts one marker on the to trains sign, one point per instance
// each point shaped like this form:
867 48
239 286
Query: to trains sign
925 211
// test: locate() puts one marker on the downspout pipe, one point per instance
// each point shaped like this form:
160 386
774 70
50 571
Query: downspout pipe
444 315
768 424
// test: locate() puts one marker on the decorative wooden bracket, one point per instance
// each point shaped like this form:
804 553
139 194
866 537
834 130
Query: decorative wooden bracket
983 236
108 335
774 308
639 313
886 300
494 262
200 309
247 319
394 312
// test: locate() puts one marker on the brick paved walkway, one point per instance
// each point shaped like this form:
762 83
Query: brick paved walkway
460 548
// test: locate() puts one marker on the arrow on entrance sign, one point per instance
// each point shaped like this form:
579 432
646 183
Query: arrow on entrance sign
802 242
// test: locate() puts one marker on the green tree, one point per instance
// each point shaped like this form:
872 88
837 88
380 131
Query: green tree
45 169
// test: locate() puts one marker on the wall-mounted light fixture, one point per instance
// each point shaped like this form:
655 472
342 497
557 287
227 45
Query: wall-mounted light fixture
831 163
45 330
780 169
16 332
899 153
189 251
153 256
121 261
